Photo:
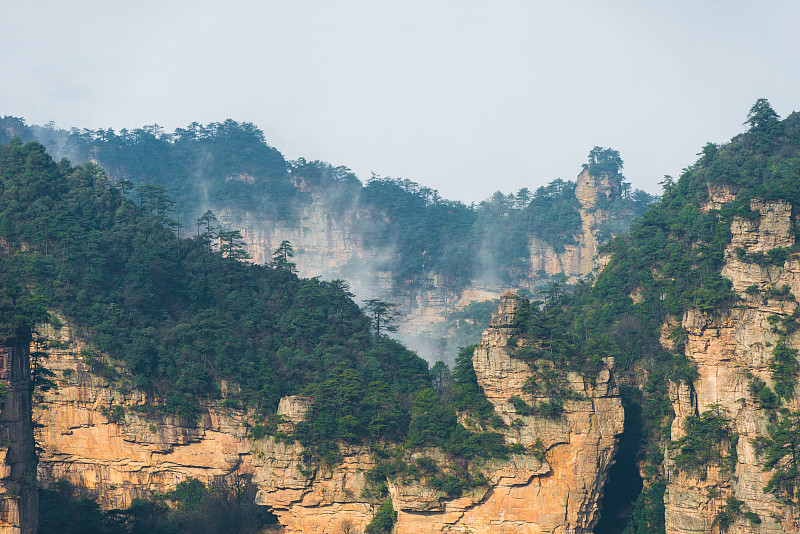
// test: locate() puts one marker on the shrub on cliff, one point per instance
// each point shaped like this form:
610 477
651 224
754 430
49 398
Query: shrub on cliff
384 519
700 447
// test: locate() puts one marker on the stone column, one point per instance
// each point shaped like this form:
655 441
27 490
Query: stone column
19 499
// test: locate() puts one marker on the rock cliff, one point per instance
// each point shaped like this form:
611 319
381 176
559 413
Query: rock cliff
18 494
730 349
93 434
580 445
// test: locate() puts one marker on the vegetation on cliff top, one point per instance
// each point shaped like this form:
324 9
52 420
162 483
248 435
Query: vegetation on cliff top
171 308
229 165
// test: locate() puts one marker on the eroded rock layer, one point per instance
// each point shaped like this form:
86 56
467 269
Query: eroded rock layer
580 445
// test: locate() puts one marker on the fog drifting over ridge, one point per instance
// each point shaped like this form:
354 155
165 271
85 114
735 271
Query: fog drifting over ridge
464 97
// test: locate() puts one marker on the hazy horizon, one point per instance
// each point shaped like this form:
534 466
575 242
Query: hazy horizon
464 97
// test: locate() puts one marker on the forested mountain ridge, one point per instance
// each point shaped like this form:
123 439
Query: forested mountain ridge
164 339
389 238
694 316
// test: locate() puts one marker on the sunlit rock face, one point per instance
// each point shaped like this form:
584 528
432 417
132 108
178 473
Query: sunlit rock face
728 349
93 435
580 445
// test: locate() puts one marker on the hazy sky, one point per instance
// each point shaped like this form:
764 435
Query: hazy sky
467 97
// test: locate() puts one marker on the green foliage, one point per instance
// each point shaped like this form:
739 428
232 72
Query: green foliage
681 369
732 510
384 519
188 494
784 367
554 213
551 384
767 399
180 316
434 424
775 256
229 164
20 308
538 450
282 255
550 409
464 393
604 161
458 479
115 413
393 466
700 447
228 505
670 262
382 314
647 515
258 431
762 117
781 452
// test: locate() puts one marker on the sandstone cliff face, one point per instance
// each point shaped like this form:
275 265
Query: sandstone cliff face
18 494
726 348
93 436
580 445
327 243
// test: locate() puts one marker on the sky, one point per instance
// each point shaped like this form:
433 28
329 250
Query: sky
467 97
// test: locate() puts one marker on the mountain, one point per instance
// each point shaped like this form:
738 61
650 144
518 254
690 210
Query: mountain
659 396
147 360
391 238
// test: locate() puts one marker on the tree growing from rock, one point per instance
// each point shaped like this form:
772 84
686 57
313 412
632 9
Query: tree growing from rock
282 256
382 314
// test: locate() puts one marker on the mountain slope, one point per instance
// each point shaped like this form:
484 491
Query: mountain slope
390 238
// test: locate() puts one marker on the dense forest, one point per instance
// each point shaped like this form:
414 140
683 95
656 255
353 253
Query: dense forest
229 164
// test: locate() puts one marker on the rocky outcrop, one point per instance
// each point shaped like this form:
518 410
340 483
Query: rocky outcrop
18 493
730 349
580 445
95 434
589 189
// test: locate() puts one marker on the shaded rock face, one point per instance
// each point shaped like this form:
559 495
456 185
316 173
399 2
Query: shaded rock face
18 497
93 436
729 348
328 243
